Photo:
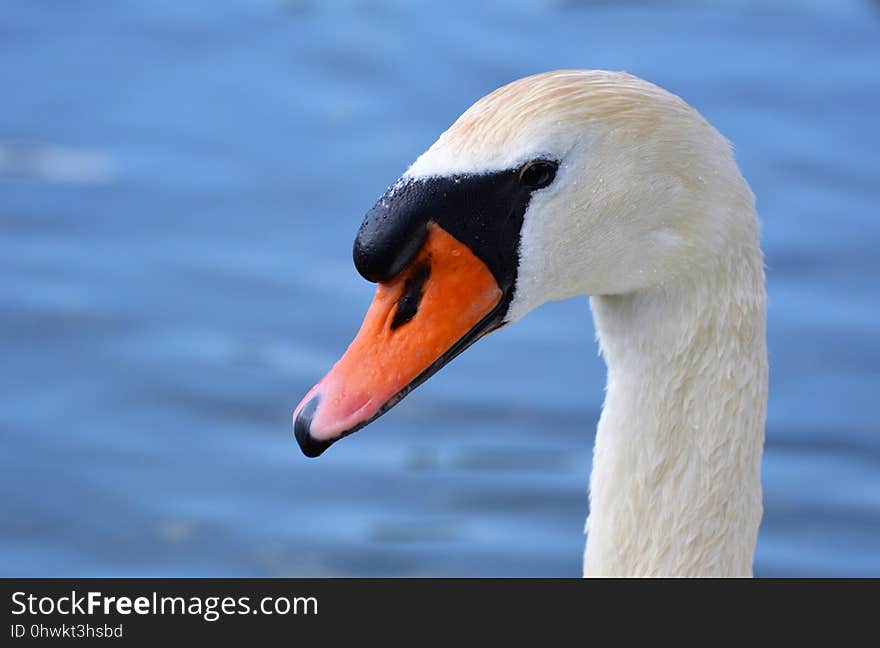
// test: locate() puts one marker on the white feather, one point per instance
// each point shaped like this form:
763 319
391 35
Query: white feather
650 216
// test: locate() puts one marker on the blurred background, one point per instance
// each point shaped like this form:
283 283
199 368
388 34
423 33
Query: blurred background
180 185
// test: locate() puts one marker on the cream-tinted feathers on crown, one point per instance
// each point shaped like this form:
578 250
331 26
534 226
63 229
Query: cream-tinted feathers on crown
519 119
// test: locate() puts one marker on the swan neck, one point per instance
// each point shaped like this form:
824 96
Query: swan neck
675 488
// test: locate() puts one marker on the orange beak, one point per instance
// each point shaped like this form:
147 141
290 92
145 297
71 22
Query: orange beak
437 306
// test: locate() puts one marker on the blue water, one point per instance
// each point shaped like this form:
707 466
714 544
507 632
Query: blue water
180 184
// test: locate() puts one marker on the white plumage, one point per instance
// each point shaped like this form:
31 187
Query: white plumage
650 216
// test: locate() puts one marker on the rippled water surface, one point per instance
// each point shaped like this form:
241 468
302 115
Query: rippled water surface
180 185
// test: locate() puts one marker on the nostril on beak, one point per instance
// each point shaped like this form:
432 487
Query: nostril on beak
310 446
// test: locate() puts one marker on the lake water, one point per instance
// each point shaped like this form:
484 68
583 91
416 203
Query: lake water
180 186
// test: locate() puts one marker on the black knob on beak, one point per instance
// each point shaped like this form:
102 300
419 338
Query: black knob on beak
392 233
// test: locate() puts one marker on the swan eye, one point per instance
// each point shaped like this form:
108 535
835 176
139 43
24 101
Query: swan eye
537 174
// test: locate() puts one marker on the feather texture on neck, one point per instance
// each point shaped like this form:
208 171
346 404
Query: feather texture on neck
675 487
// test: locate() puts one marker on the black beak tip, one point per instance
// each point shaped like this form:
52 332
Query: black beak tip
310 446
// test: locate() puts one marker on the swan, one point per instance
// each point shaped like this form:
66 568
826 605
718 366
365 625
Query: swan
585 182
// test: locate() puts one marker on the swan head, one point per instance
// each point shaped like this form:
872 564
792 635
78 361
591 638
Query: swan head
565 183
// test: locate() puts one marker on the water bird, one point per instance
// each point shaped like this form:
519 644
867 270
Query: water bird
585 182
